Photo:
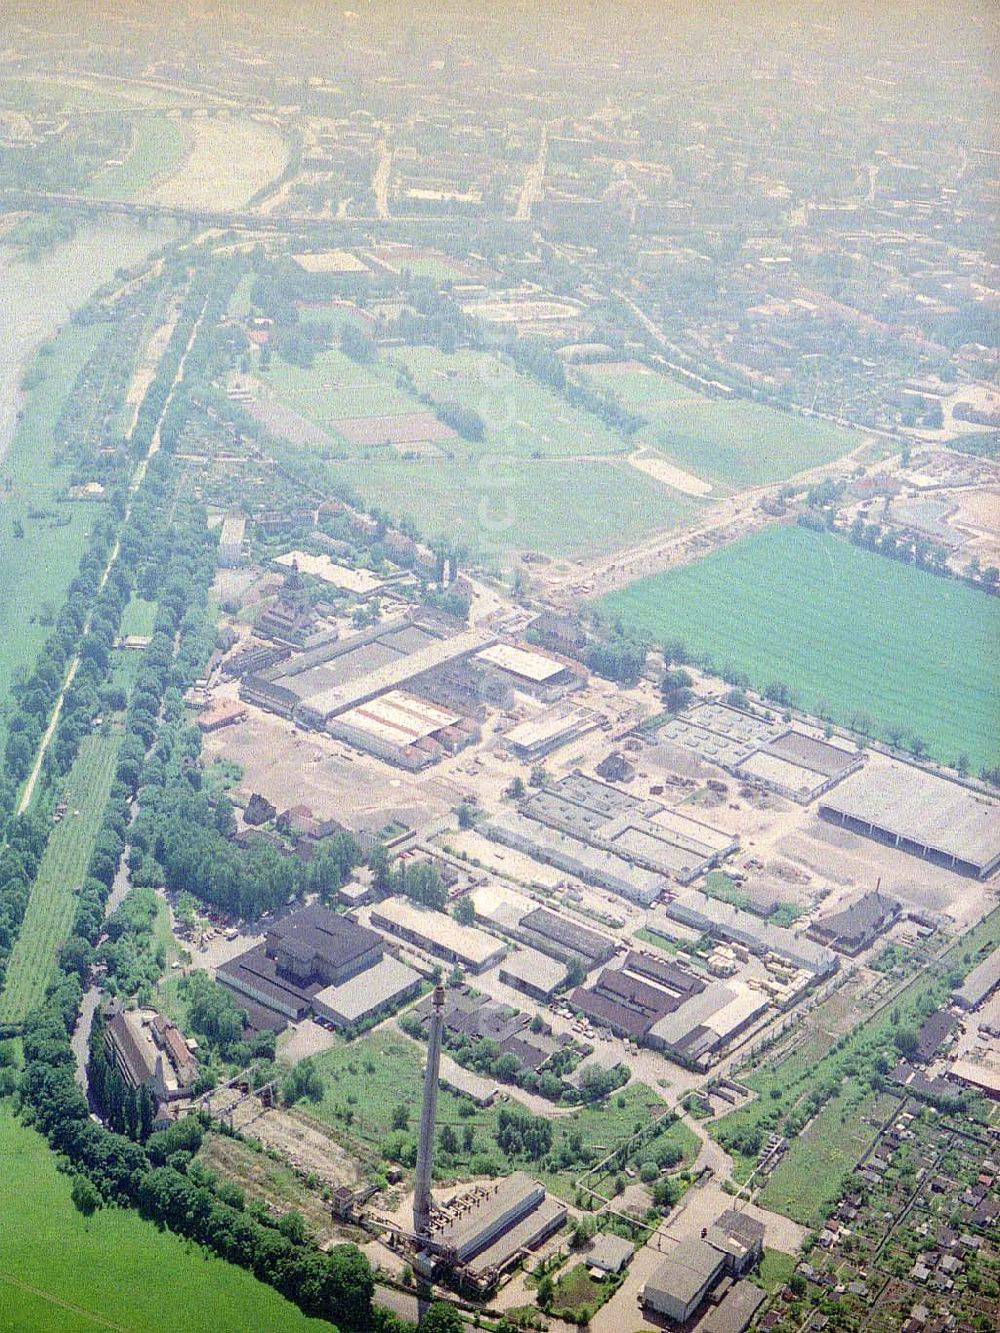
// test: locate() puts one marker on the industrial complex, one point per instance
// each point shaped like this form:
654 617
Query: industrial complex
316 961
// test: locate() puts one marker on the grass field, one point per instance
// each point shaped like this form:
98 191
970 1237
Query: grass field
635 385
495 507
776 1268
139 617
522 416
547 477
157 147
50 908
809 1178
849 631
38 567
373 1076
421 263
62 1272
335 387
739 443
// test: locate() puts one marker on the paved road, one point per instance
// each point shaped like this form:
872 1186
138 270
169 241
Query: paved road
80 1040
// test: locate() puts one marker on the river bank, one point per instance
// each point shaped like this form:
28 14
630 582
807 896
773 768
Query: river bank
39 296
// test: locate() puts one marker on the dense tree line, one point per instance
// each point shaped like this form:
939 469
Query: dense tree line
617 658
337 1286
535 357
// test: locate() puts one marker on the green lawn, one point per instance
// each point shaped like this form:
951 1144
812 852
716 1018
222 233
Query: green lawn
422 264
775 1269
739 443
849 631
61 1271
574 1289
38 567
495 507
370 1077
50 910
139 617
157 146
641 389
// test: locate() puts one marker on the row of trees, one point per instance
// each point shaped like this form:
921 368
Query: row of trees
536 358
337 1286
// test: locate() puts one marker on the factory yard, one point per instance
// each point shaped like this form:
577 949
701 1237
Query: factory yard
297 768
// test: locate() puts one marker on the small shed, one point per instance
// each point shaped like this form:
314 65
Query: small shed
609 1254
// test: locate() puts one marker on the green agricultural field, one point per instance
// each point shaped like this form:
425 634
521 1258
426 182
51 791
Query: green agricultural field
497 508
157 146
737 443
38 567
61 1271
49 915
523 417
850 632
366 1080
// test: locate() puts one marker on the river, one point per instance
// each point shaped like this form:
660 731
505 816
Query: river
36 298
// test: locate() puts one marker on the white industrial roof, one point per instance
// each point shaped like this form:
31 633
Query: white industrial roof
399 717
361 994
538 969
473 945
521 662
339 698
923 808
537 730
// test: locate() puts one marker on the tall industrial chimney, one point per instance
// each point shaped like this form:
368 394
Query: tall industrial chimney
425 1149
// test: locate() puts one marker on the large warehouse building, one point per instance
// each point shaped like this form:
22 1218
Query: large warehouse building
538 736
728 1248
660 1003
918 812
980 984
316 961
437 933
532 672
315 686
762 749
404 729
488 1229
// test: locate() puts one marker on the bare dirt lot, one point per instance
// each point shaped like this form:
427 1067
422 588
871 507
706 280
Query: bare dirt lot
661 469
336 783
849 861
303 1143
260 1177
403 428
